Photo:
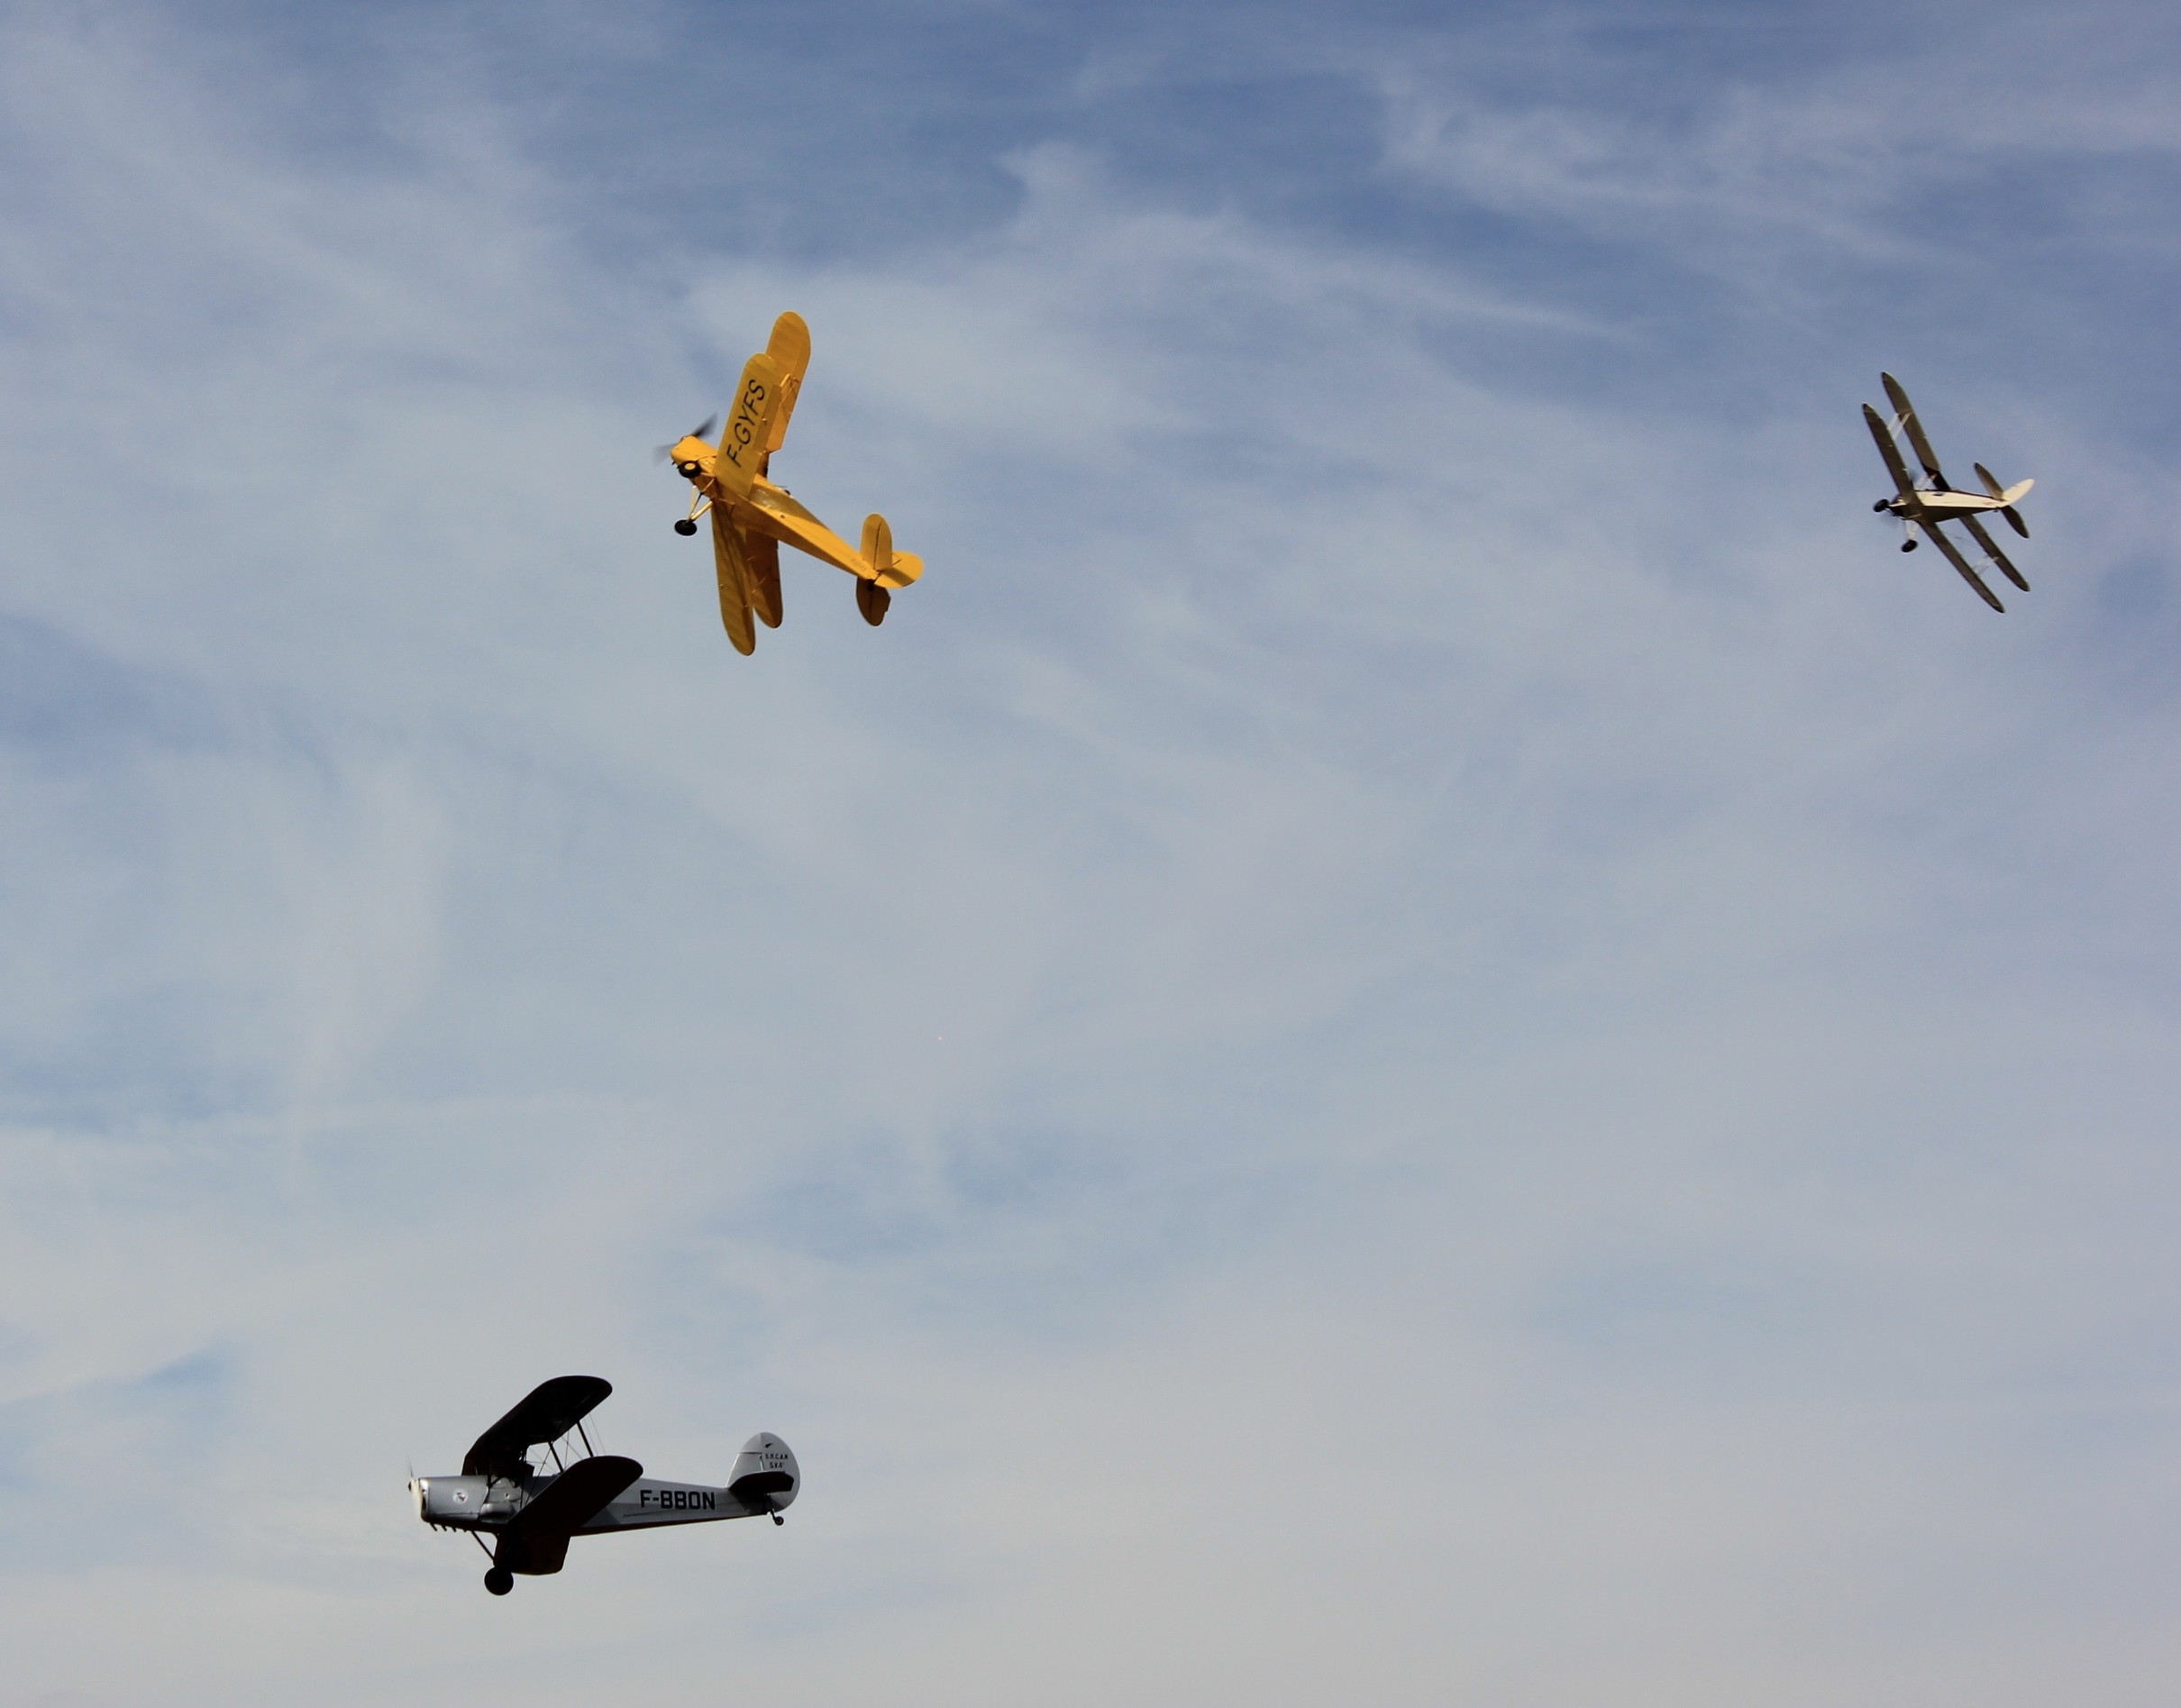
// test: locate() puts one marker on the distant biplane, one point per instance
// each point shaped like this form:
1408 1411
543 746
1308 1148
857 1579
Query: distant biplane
751 517
1926 506
532 1512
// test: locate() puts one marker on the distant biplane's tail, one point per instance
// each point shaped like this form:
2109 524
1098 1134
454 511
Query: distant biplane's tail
2007 498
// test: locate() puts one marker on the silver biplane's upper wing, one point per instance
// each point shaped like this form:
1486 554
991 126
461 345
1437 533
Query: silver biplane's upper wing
1903 482
546 1413
1906 412
1960 562
1991 551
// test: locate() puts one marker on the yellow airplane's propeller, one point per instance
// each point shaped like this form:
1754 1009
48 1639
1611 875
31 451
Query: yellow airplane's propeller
660 453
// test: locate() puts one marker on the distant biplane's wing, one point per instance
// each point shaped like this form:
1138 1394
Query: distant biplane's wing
749 417
1903 482
789 349
1991 551
1962 563
729 557
535 1540
546 1413
760 552
1913 428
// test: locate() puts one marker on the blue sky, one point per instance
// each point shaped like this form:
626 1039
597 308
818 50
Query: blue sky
1423 1029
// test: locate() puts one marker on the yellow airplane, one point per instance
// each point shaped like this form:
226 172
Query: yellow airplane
751 517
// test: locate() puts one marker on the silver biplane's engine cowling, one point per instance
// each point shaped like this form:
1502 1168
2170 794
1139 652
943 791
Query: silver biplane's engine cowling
766 1475
451 1500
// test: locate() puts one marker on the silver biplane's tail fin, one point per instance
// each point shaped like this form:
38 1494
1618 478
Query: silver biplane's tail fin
766 1477
2007 498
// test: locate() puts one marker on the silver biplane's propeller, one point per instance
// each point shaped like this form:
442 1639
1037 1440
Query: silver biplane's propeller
660 453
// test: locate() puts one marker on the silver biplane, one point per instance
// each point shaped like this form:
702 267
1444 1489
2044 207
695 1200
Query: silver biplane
532 1513
1926 506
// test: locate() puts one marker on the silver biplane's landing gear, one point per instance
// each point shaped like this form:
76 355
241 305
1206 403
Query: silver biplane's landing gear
685 527
778 1519
499 1580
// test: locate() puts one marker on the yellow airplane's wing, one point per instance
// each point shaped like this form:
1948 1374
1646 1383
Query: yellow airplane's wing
790 351
742 442
734 568
762 552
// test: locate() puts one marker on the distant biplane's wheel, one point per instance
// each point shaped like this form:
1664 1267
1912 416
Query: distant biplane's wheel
685 527
1908 545
1879 508
499 1580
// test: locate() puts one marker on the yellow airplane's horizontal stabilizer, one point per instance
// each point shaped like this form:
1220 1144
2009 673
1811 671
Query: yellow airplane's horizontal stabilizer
889 568
742 442
789 348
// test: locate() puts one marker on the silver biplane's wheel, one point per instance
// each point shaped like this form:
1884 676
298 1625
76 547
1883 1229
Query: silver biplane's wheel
778 1519
499 1580
685 527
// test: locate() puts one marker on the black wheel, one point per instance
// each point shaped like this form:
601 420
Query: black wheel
776 1519
1908 545
685 527
1879 508
500 1580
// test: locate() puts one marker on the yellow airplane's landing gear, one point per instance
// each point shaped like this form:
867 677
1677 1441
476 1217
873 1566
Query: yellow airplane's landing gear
498 1581
1879 508
1908 545
871 600
685 527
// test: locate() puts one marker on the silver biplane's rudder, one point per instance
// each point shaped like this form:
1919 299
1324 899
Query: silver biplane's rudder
766 1477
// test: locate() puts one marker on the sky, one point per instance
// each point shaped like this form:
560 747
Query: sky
1422 1030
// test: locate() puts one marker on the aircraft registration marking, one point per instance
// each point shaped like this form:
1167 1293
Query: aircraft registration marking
678 1500
749 410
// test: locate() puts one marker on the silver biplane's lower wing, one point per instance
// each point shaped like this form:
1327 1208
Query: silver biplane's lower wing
1955 557
535 1541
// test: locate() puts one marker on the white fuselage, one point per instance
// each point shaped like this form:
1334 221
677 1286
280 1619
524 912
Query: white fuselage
487 1503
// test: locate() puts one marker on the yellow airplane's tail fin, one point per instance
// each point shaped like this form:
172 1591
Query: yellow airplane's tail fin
889 568
791 350
742 442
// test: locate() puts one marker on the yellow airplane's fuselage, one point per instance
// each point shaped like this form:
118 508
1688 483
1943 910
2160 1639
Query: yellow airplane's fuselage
772 509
